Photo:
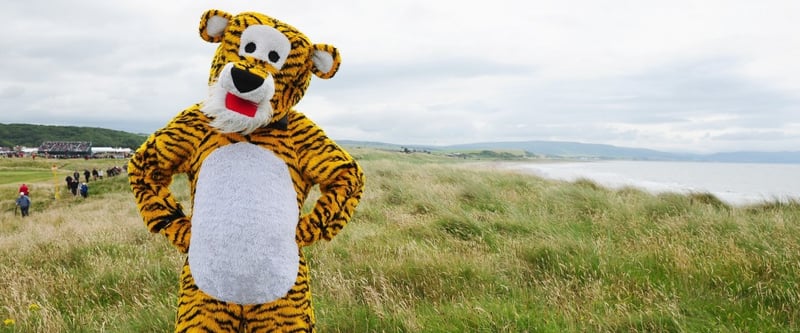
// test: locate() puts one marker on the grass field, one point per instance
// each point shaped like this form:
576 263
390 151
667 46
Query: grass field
437 245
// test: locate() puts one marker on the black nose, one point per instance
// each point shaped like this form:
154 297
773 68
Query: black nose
244 80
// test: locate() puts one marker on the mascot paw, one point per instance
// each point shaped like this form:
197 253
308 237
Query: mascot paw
178 233
307 232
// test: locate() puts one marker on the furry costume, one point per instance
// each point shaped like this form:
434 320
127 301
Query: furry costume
251 161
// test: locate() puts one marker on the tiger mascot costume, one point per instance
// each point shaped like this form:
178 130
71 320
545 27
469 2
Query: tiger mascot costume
251 160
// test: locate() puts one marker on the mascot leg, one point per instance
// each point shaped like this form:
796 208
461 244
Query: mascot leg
199 312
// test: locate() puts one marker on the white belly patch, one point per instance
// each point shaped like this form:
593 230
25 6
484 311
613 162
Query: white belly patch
244 217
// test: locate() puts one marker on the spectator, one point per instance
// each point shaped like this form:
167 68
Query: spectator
73 187
76 175
84 190
86 174
94 174
24 189
24 203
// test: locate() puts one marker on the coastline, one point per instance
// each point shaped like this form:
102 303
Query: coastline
737 184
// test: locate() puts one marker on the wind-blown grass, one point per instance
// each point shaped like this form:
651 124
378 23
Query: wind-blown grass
439 245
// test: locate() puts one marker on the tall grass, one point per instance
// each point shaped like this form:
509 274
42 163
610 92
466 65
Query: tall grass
439 245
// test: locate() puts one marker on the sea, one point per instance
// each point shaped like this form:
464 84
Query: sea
733 183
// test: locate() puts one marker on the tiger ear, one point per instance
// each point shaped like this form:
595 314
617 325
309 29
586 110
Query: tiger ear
326 61
213 24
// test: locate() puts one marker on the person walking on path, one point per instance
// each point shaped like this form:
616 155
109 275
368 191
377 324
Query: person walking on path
73 187
84 190
24 203
24 189
68 179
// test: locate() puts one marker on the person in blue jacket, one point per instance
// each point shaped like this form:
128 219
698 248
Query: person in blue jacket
84 190
24 203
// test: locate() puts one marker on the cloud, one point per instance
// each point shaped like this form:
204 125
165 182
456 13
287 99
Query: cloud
678 75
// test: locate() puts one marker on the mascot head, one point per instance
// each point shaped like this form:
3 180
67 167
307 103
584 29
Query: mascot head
261 69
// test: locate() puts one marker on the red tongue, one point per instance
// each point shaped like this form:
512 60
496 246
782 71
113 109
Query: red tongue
240 105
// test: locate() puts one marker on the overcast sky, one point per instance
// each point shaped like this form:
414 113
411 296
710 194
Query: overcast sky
678 75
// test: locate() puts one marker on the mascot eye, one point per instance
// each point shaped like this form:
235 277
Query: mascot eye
265 43
274 56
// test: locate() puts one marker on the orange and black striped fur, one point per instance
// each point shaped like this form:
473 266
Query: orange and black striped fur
251 160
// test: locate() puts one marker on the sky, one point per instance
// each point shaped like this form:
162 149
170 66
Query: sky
681 75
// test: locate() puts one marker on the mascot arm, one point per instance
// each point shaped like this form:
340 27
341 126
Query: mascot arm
150 174
340 179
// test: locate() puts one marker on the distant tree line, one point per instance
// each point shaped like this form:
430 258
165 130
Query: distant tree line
33 135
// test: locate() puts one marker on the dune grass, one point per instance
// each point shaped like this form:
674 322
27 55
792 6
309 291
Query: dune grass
438 245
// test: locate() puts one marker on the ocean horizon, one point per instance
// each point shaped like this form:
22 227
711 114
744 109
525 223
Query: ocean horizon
733 183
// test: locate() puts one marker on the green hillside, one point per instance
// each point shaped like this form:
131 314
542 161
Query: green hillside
33 135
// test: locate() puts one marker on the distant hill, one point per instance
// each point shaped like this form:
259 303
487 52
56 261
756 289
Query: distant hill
560 149
754 157
33 135
600 151
572 150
